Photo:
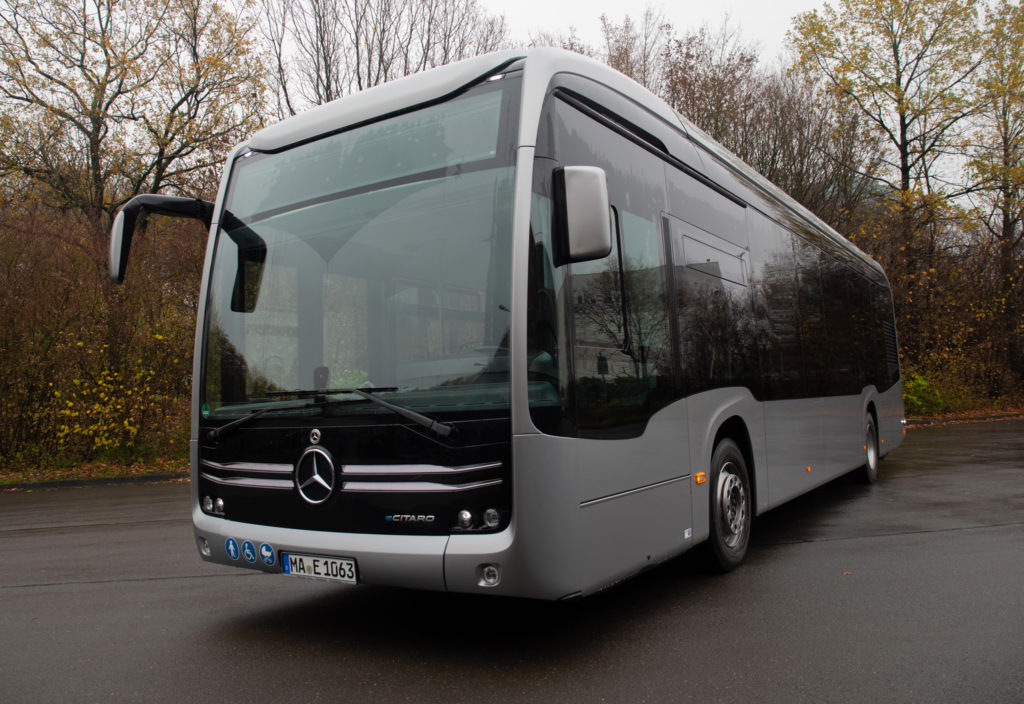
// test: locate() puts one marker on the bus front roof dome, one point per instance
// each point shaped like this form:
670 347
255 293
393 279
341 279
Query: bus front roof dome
379 100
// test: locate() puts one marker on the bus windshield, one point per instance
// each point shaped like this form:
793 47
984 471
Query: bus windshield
378 257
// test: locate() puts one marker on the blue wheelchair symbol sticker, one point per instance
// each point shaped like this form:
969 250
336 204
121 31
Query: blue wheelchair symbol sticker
249 551
231 545
267 555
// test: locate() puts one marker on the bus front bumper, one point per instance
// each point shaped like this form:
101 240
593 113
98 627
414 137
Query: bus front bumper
434 562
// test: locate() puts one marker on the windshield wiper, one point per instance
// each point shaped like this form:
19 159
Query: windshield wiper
435 426
217 433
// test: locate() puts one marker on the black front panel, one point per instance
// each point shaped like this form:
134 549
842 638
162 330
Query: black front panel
387 477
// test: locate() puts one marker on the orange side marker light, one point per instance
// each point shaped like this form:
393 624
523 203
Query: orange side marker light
701 477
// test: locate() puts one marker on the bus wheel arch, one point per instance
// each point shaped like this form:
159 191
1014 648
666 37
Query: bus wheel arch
735 429
731 496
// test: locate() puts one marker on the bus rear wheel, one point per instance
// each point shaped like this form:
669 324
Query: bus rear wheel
869 472
731 506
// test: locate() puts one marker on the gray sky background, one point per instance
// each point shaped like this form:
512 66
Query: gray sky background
762 21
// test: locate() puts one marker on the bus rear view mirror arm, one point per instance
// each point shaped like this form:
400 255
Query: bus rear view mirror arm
583 213
124 224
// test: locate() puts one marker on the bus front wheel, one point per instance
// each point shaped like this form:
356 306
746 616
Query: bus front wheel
731 506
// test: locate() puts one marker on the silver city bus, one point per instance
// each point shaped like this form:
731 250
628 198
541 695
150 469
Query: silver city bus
514 326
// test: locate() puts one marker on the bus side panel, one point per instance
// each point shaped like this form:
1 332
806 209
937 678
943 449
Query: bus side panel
708 412
812 441
634 499
587 513
540 553
793 434
842 421
624 535
891 426
613 466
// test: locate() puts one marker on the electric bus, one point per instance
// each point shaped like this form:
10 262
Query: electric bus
514 326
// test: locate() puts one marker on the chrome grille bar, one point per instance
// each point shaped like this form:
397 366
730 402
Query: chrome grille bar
397 470
249 482
249 467
419 487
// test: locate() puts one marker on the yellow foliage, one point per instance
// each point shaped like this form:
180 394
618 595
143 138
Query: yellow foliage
108 410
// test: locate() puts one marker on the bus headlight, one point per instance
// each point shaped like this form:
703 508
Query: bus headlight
492 518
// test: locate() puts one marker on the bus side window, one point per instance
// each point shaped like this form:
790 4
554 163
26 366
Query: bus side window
622 359
813 330
717 328
546 331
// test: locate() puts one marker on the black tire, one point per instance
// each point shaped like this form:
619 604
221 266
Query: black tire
731 506
868 473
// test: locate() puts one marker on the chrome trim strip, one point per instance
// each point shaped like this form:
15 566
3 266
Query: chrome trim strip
619 495
251 467
426 487
250 482
405 469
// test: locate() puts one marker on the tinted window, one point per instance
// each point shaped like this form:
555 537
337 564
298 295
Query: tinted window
621 354
773 281
717 328
547 369
813 331
840 352
458 132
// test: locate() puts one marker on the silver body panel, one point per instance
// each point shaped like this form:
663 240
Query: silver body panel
378 101
587 513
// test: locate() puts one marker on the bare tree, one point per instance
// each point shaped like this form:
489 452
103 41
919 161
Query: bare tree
274 33
104 99
637 49
813 146
318 36
209 95
712 77
325 49
570 41
70 75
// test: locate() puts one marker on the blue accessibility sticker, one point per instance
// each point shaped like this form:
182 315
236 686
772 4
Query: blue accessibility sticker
249 551
267 555
231 545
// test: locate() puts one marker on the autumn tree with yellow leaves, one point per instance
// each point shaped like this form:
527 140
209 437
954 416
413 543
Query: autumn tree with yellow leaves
996 153
101 100
941 90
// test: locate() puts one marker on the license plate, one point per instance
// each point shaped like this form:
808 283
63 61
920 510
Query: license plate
334 569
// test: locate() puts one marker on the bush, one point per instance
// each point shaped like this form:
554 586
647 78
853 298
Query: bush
920 397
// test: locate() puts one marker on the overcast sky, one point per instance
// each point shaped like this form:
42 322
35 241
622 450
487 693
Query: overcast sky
763 21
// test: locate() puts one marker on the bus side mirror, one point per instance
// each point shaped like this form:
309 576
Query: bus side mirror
124 223
120 242
583 213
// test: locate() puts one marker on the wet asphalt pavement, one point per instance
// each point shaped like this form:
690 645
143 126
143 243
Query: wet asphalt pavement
911 590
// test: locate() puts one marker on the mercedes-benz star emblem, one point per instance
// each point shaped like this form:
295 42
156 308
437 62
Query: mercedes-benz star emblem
314 475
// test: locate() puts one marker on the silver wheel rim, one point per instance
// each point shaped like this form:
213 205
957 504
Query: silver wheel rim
732 504
871 448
